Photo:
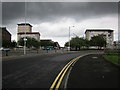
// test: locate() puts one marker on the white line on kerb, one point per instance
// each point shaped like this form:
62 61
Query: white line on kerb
67 77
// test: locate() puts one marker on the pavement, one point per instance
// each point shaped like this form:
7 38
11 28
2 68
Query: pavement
21 52
18 54
93 71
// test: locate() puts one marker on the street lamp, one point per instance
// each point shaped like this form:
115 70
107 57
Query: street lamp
69 37
25 39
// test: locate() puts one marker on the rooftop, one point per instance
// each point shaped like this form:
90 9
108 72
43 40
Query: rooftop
5 30
24 24
99 30
46 39
29 33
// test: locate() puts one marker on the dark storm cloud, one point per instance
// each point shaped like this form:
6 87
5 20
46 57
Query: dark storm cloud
12 11
52 11
77 11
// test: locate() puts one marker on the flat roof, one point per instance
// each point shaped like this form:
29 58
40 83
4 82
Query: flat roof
99 30
29 33
21 24
46 39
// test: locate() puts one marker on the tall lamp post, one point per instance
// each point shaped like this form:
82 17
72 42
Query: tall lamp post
69 37
25 39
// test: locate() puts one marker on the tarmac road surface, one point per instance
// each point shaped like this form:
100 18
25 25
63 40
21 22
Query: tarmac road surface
93 71
40 71
34 71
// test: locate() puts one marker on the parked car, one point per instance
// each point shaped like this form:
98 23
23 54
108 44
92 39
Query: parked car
4 49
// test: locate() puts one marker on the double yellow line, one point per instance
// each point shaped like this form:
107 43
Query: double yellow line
56 84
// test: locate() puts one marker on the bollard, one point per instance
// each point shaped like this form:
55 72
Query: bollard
37 51
47 50
55 50
6 52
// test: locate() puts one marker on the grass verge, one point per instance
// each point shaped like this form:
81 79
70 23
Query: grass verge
114 58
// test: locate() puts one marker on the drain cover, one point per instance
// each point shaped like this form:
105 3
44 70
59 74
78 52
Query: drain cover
94 57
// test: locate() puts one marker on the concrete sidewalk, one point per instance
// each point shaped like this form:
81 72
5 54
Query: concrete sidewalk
21 52
33 53
93 71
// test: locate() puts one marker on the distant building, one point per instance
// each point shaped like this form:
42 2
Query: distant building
108 34
25 30
6 36
44 40
116 44
35 35
47 43
24 27
57 45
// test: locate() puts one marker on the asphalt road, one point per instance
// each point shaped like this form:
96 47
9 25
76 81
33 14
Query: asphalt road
93 71
34 71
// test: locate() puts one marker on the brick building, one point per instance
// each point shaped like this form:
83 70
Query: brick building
25 30
6 36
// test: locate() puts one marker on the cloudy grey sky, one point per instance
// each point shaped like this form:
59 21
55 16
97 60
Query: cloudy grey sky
52 19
